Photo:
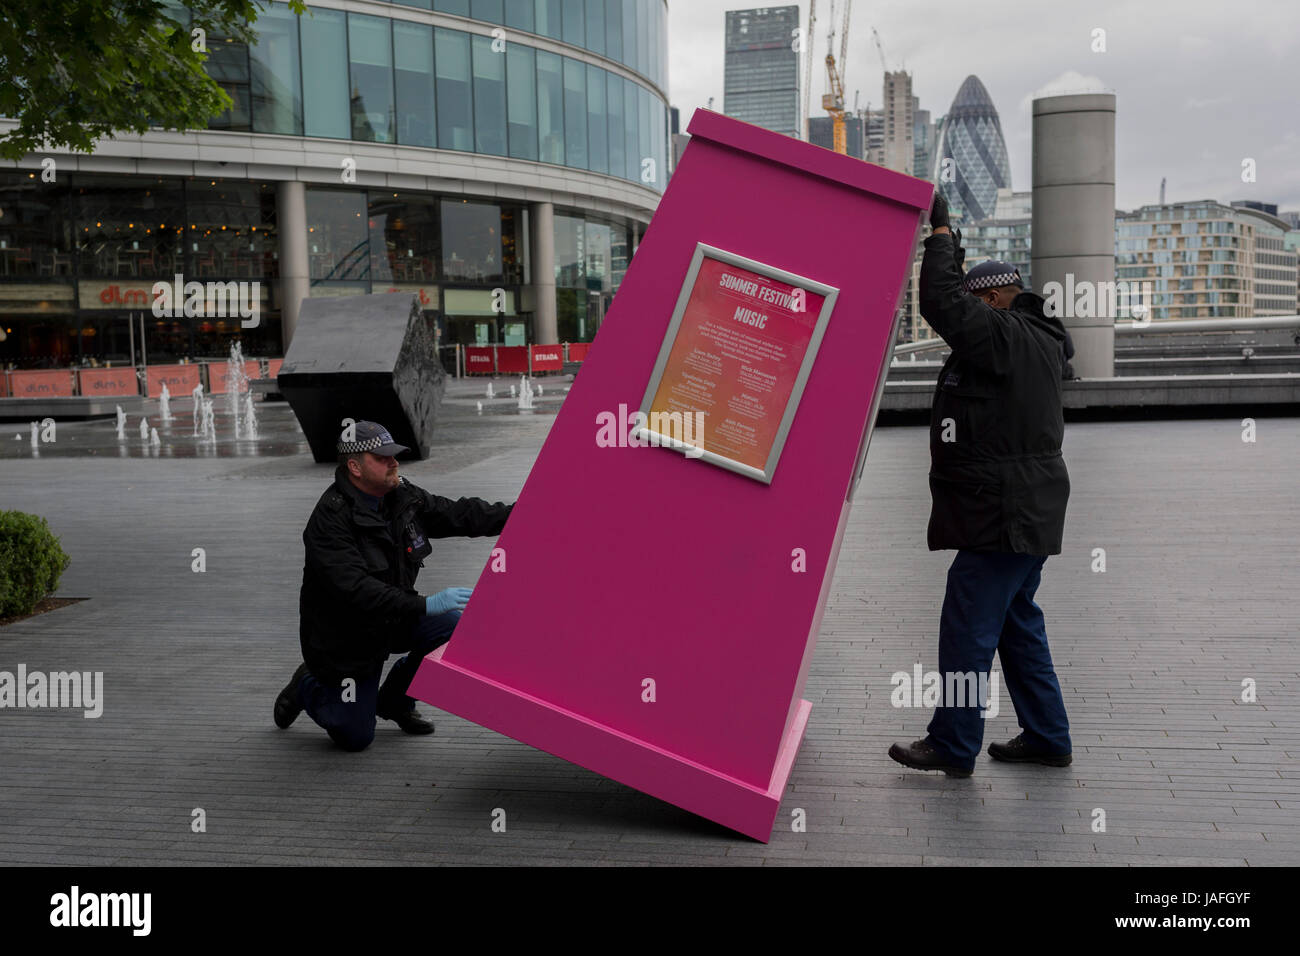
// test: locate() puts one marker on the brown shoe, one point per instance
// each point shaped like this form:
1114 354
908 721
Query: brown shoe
920 755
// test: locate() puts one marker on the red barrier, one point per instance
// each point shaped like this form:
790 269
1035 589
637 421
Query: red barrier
179 379
4 384
479 360
578 351
108 381
273 367
43 384
548 358
512 358
219 375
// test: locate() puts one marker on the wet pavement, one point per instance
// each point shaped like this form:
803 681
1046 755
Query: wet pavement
278 433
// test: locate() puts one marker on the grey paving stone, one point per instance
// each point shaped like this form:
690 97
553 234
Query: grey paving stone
1199 593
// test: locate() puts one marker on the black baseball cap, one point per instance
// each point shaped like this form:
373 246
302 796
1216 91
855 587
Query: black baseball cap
371 437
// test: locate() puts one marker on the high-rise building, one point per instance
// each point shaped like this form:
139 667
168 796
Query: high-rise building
1206 259
873 150
899 145
972 140
923 134
761 69
821 132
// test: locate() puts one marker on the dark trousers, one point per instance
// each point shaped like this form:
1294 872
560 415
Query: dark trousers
351 722
989 606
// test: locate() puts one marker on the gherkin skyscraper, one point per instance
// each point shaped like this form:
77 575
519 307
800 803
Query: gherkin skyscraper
972 139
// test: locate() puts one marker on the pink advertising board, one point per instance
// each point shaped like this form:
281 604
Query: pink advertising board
694 575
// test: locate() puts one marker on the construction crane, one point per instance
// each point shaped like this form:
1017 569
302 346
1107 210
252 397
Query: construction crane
880 49
833 102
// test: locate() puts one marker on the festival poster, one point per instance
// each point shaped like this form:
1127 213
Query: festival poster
736 358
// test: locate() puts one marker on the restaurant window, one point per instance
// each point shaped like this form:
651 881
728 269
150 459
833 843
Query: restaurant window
570 250
404 238
130 227
230 229
36 227
471 241
338 247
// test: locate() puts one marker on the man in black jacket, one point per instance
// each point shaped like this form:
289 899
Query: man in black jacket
366 541
999 488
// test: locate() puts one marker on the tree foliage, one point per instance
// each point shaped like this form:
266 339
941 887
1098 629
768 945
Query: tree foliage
75 70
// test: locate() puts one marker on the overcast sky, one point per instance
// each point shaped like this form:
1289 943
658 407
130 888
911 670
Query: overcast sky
1200 85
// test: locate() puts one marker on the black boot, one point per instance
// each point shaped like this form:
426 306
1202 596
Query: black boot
1017 751
920 755
410 721
288 705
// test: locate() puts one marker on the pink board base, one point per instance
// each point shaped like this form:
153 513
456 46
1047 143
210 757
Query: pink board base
606 751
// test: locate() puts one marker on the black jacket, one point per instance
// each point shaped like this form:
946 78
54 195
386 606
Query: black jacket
999 483
358 601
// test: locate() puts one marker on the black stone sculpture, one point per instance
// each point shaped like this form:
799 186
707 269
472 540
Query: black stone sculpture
368 358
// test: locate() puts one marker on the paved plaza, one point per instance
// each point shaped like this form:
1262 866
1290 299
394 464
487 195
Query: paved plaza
1200 532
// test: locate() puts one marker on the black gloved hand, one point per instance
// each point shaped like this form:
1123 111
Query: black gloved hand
939 211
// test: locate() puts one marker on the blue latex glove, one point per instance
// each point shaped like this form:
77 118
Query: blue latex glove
448 599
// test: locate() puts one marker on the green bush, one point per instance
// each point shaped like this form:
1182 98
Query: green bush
31 562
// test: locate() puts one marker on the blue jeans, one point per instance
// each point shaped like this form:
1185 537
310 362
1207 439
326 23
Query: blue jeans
989 606
351 723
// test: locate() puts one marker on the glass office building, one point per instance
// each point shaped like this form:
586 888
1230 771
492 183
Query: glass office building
761 70
499 159
971 137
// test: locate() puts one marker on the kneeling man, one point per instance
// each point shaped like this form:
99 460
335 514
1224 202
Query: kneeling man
366 541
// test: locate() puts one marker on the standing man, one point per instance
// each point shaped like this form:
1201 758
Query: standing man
999 488
366 541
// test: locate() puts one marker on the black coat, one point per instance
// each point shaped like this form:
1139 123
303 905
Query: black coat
358 601
1000 482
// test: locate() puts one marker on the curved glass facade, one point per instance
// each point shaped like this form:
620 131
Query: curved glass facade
389 80
79 257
